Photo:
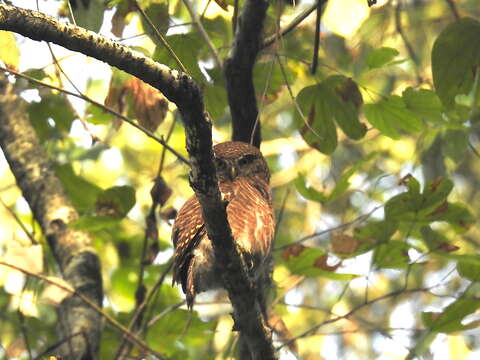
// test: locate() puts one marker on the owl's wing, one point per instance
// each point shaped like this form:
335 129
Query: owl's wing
187 232
251 216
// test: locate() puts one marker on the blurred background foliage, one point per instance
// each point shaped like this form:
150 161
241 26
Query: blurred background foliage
375 176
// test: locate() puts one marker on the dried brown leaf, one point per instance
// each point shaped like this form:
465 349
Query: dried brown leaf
292 251
344 244
149 104
321 263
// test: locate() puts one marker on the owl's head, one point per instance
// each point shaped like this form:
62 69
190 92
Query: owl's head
234 159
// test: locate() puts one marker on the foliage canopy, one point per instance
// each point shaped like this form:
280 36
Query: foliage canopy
375 176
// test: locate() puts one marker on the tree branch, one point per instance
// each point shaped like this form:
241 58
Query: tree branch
184 92
201 30
239 72
51 208
104 108
290 27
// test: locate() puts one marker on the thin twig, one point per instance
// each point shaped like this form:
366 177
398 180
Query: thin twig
25 333
151 293
262 102
19 222
162 156
198 24
160 37
140 309
92 304
313 329
289 28
281 212
361 218
104 108
135 324
453 9
165 312
205 9
408 45
316 45
50 348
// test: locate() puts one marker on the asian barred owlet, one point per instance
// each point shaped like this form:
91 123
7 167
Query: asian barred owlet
243 179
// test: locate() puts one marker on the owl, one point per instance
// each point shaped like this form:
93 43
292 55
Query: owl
243 180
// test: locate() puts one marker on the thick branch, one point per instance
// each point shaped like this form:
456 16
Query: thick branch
183 91
52 210
176 86
239 72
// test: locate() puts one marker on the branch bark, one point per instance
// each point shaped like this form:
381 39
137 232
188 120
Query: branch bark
239 72
72 249
184 92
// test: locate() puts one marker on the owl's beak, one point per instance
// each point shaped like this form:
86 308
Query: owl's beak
233 172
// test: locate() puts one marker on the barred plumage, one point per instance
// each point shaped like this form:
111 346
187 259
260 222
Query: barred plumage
244 183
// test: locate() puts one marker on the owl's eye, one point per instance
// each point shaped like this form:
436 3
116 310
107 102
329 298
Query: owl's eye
219 163
246 159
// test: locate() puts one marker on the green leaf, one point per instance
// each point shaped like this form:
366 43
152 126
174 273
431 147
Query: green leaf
422 344
458 216
116 201
38 74
450 319
123 285
172 341
347 101
268 79
316 123
390 115
464 258
219 29
157 12
455 54
433 239
412 185
55 107
81 192
9 55
310 262
380 57
455 144
436 192
94 223
469 270
402 207
336 99
91 153
187 48
339 189
97 116
376 231
308 192
429 206
89 14
215 100
424 103
391 255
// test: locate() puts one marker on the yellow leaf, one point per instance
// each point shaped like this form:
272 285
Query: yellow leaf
57 290
26 303
29 258
457 348
9 53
